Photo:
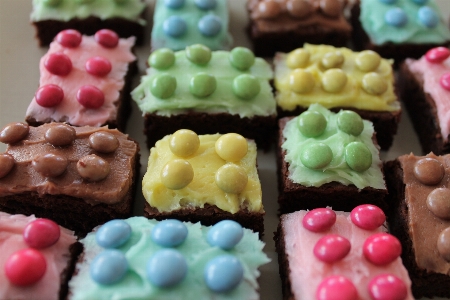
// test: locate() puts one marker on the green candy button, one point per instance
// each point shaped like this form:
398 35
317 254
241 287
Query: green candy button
316 156
163 86
311 123
84 1
358 156
246 86
52 2
242 58
202 85
161 59
350 122
198 54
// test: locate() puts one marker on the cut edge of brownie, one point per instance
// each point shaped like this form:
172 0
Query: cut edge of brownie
75 250
283 262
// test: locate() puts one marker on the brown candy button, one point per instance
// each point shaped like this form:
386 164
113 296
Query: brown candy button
299 8
6 164
93 168
60 135
331 8
429 171
438 202
103 142
268 9
49 165
14 132
443 244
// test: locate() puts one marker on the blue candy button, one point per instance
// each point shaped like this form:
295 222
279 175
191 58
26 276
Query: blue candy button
210 25
396 17
169 233
174 26
206 4
388 1
109 267
113 234
166 268
223 273
420 1
428 17
226 234
175 4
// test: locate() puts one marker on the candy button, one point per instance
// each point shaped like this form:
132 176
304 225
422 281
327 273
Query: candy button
420 1
202 85
184 143
174 4
332 59
336 287
50 165
69 38
331 8
387 286
169 233
445 81
60 135
368 217
443 244
223 273
113 234
231 178
298 58
428 17
210 25
98 66
107 38
374 84
331 248
368 60
301 81
14 132
381 249
198 54
103 142
358 156
84 1
334 80
174 26
6 164
52 2
58 64
41 233
108 267
25 267
49 95
438 202
163 86
205 4
316 156
166 268
429 171
120 2
299 8
161 59
93 168
319 219
268 9
396 17
90 97
437 55
246 86
242 58
388 1
225 234
311 123
231 147
350 122
177 174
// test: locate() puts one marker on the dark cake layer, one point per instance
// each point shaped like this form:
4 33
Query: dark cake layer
283 263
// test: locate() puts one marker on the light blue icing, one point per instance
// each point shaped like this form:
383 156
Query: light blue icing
113 234
226 234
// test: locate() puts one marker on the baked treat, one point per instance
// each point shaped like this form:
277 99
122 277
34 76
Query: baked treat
79 177
181 23
420 218
285 25
204 178
126 17
398 29
339 78
207 92
85 80
38 258
147 259
328 159
424 86
325 254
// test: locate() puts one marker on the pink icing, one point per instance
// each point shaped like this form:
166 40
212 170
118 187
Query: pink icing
319 219
382 249
387 286
332 248
437 55
336 287
367 216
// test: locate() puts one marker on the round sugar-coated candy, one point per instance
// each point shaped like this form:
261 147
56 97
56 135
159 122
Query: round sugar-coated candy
319 219
301 81
334 80
6 164
429 171
381 249
438 202
331 8
202 85
49 164
41 233
388 1
69 38
14 132
443 244
428 17
331 248
445 81
103 142
184 143
174 26
108 267
225 234
206 4
58 64
177 174
198 54
210 25
52 2
332 59
169 233
166 268
231 147
268 9
316 156
107 38
396 17
60 134
90 97
246 86
367 60
420 2
242 58
113 234
174 4
98 66
223 273
25 267
163 86
437 55
387 286
336 287
162 59
299 8
367 216
84 1
120 2
298 58
231 178
311 123
374 84
49 95
93 168
350 122
358 156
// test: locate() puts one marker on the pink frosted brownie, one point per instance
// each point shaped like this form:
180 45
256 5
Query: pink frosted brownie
85 80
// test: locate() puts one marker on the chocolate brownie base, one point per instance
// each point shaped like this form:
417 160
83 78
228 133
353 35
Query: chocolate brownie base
283 263
75 250
293 197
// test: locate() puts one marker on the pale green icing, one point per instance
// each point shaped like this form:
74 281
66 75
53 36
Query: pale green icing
337 170
103 9
191 14
372 19
221 100
139 248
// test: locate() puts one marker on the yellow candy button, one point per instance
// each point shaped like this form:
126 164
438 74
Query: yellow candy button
298 58
301 81
184 143
332 60
177 174
231 147
231 178
374 84
334 80
368 60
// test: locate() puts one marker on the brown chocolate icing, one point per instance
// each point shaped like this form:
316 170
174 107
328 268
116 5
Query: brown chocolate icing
60 134
6 164
443 244
93 168
103 142
13 133
49 164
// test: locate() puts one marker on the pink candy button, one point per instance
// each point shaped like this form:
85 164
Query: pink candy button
387 287
98 66
382 249
332 248
58 64
368 217
49 95
25 267
107 38
319 219
445 81
69 38
437 55
336 288
90 97
41 233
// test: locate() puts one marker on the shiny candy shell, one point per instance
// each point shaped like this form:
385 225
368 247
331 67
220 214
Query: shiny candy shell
334 80
443 244
367 216
108 267
6 164
350 122
52 2
166 268
107 38
60 134
174 26
429 171
50 164
381 249
396 17
184 143
206 4
312 123
163 86
176 174
198 54
299 8
225 234
445 81
242 58
174 4
14 132
210 25
428 17
49 95
387 286
231 178
298 58
246 86
69 38
368 60
169 233
98 66
223 273
319 219
41 233
437 55
301 81
25 267
58 64
231 147
202 85
161 59
316 156
331 248
93 168
90 97
103 142
336 287
358 156
113 234
438 202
